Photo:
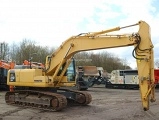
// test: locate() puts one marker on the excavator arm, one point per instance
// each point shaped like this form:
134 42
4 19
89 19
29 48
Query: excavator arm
145 64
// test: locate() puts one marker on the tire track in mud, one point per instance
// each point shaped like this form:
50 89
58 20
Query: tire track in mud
10 112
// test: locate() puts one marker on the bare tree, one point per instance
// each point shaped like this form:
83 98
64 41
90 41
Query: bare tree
4 54
27 49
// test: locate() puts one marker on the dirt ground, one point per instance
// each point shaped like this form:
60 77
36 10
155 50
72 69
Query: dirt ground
107 104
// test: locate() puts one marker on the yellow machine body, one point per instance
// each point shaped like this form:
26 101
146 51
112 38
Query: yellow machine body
35 78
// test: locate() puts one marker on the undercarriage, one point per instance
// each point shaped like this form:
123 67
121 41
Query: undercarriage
47 100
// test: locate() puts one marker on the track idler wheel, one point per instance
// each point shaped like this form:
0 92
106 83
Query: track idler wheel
83 98
58 104
80 98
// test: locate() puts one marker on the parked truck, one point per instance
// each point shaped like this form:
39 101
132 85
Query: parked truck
127 79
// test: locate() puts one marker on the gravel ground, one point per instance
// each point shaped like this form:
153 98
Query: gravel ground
107 104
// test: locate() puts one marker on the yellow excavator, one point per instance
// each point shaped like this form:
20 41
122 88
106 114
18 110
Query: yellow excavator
47 88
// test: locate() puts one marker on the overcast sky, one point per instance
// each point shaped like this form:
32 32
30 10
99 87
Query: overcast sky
50 22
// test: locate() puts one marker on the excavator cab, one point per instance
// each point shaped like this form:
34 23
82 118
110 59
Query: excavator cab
71 72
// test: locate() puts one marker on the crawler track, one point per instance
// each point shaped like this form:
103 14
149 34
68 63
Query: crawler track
47 100
36 99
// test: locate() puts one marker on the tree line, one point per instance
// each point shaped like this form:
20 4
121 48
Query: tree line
103 59
24 51
28 48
